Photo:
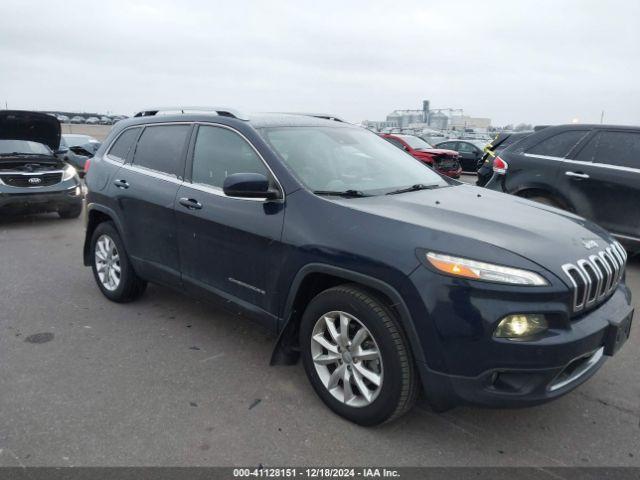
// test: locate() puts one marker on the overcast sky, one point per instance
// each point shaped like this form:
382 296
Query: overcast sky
513 61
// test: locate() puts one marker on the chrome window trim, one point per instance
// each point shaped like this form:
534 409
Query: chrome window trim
117 160
582 162
152 173
626 237
217 190
196 186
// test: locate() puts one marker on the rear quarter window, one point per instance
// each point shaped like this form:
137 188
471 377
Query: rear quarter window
161 148
558 145
121 147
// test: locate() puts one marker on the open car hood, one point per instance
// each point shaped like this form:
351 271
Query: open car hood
32 126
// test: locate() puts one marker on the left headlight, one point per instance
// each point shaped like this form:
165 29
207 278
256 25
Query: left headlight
68 173
466 268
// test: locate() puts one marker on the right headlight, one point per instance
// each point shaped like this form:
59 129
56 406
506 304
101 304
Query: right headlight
466 268
68 173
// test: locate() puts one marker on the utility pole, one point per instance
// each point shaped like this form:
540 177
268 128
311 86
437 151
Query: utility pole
602 117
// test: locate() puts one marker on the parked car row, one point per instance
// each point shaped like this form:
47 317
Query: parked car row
91 120
384 277
444 161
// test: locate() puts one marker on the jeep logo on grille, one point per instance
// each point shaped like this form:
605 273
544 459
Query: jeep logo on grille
35 180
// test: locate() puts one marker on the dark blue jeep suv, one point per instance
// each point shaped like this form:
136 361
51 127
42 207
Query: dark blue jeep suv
386 278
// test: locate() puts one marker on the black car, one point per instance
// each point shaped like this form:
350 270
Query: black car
386 278
471 152
590 170
492 149
32 178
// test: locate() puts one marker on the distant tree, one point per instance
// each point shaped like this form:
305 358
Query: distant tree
508 127
521 127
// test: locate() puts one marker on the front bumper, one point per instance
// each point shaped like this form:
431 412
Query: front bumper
467 365
62 196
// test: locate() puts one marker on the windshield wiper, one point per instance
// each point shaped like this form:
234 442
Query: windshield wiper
337 193
412 188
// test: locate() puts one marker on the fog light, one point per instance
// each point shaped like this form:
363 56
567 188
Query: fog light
521 326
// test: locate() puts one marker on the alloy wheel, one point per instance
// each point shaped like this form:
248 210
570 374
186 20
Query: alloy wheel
107 261
347 359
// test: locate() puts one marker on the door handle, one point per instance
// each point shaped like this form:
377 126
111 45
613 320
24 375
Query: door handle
576 174
190 203
121 184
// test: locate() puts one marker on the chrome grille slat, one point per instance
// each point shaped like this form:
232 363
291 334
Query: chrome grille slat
595 277
616 258
600 266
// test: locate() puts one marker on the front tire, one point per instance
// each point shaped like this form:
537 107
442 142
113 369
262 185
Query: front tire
356 356
111 266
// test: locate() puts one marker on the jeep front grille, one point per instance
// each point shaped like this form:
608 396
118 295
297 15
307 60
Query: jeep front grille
595 277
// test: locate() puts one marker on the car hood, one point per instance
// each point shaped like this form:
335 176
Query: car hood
32 126
538 233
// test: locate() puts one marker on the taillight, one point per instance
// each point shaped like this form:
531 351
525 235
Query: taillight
87 164
500 166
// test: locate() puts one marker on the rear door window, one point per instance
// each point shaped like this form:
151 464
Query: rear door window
558 145
161 148
613 148
120 149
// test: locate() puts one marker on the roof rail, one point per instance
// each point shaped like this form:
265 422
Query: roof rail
222 111
325 116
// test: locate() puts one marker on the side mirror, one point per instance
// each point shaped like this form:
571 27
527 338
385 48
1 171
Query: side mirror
249 185
61 151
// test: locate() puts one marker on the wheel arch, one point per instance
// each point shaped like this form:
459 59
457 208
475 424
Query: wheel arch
315 278
529 190
97 214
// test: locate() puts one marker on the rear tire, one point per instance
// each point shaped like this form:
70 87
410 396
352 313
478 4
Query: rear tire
111 266
361 367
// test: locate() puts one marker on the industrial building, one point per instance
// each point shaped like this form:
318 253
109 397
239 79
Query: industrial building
428 118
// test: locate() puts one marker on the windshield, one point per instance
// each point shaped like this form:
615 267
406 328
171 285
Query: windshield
341 159
23 146
415 142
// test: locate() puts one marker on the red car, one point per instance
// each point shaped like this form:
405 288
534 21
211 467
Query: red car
446 162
